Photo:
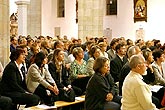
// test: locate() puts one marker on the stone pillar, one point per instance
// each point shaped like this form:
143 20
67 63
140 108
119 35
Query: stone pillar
90 18
4 32
22 16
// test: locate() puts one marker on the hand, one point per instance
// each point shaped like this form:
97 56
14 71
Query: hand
66 89
55 90
69 86
109 97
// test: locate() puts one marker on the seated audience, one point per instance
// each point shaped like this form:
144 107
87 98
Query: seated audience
101 92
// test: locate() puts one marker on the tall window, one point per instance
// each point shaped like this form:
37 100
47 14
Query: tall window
60 8
111 7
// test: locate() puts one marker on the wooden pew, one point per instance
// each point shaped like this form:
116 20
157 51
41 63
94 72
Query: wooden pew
58 104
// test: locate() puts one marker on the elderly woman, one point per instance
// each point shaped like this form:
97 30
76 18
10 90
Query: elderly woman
101 92
78 74
13 81
94 52
39 80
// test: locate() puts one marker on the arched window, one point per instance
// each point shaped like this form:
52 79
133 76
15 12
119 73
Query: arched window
111 8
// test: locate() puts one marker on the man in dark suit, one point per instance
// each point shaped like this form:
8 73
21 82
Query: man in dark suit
13 81
117 63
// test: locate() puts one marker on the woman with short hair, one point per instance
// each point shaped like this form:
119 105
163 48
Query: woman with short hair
78 73
13 81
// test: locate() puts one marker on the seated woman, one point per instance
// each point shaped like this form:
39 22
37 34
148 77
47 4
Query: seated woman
78 74
157 67
94 52
59 73
13 81
40 82
101 92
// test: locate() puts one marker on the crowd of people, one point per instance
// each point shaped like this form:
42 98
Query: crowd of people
114 75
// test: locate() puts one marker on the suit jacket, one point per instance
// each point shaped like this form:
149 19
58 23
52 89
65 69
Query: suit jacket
124 72
115 67
159 75
56 76
35 77
12 80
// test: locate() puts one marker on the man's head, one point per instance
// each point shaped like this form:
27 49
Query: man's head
121 49
133 50
138 64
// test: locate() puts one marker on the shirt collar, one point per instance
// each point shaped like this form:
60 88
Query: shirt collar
137 74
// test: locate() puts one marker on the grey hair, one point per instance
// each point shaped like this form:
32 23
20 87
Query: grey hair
131 51
135 60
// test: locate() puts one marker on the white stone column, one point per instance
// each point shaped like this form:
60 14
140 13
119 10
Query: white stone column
22 16
4 32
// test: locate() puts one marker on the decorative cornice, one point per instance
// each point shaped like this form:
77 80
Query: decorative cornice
22 2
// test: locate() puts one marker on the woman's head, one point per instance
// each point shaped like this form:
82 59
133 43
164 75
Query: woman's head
78 53
58 55
158 55
95 51
16 54
101 65
147 53
40 59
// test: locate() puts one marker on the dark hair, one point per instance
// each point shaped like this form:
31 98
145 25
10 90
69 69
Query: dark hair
57 43
93 49
113 42
16 53
146 53
99 63
12 38
118 46
39 58
157 54
22 46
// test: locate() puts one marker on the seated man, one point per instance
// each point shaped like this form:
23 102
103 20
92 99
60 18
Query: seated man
136 93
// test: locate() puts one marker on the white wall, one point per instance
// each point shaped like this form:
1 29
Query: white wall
123 24
46 19
50 21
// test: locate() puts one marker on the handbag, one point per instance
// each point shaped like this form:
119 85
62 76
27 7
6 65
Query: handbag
68 96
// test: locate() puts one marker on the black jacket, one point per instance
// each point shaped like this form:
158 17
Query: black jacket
97 89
